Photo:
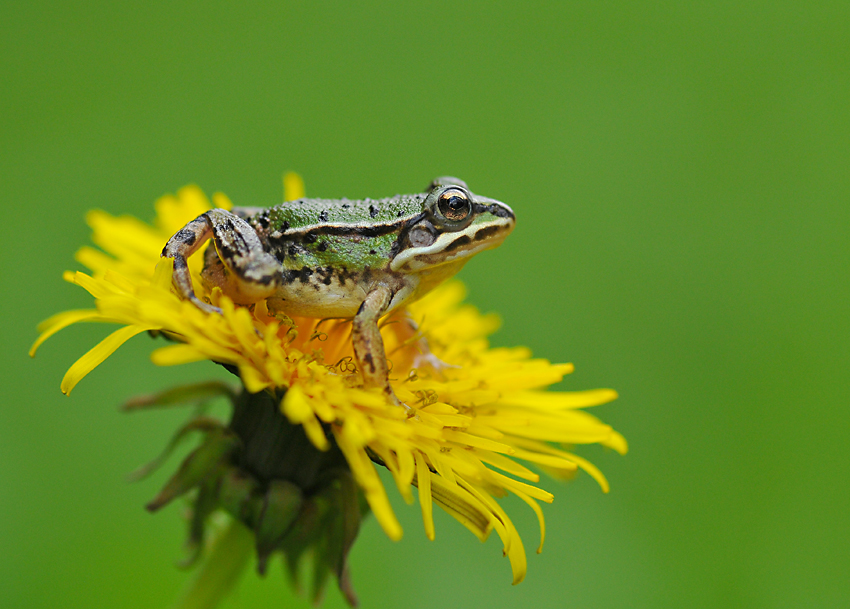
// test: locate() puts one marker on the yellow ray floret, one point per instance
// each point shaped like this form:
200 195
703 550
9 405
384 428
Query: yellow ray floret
480 424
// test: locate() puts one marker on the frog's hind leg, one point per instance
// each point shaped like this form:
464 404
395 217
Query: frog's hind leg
244 271
239 264
183 244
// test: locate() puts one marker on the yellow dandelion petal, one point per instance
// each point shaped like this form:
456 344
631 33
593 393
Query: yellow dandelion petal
462 506
440 464
162 274
390 461
467 439
367 477
297 408
52 325
423 478
546 460
591 469
541 521
97 288
406 469
96 355
254 380
173 212
95 260
558 400
514 549
506 464
221 200
512 485
293 186
174 355
125 237
617 442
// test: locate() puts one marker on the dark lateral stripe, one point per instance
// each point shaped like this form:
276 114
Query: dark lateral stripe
459 242
374 230
483 233
496 210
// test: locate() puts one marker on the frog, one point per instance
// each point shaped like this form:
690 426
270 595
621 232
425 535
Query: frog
341 258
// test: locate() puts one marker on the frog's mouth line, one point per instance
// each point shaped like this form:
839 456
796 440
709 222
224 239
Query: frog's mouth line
450 247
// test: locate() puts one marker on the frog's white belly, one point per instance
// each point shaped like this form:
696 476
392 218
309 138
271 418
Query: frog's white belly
339 294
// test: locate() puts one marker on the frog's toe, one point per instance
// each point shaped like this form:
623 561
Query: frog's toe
205 306
409 410
429 361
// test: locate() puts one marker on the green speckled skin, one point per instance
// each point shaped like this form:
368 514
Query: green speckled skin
296 223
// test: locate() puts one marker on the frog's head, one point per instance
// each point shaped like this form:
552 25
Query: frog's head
454 225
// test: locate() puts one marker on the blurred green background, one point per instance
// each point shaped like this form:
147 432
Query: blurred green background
680 175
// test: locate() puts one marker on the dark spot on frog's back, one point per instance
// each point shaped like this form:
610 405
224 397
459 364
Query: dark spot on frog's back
322 246
373 211
325 274
310 238
305 273
323 217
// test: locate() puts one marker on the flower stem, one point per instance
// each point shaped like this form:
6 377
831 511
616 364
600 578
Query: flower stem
220 570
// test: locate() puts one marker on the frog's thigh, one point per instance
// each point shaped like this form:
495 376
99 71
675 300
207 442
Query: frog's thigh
254 274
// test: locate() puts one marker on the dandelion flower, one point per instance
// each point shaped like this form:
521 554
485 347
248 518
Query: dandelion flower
483 426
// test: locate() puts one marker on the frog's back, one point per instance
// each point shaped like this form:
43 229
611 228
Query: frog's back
332 251
315 214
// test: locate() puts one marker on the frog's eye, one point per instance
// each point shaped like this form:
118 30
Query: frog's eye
454 204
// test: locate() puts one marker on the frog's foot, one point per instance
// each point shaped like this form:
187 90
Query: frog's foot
426 359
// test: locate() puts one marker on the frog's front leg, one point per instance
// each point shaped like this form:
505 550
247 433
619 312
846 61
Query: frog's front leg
368 344
240 266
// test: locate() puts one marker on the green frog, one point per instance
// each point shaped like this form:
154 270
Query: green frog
342 258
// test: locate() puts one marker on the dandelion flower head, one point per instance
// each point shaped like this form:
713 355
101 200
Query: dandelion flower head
483 425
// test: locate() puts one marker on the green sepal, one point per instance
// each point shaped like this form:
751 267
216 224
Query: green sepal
342 523
302 536
203 424
205 504
185 395
237 495
203 461
281 506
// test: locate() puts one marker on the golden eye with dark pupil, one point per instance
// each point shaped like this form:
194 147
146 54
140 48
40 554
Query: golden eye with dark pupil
454 205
